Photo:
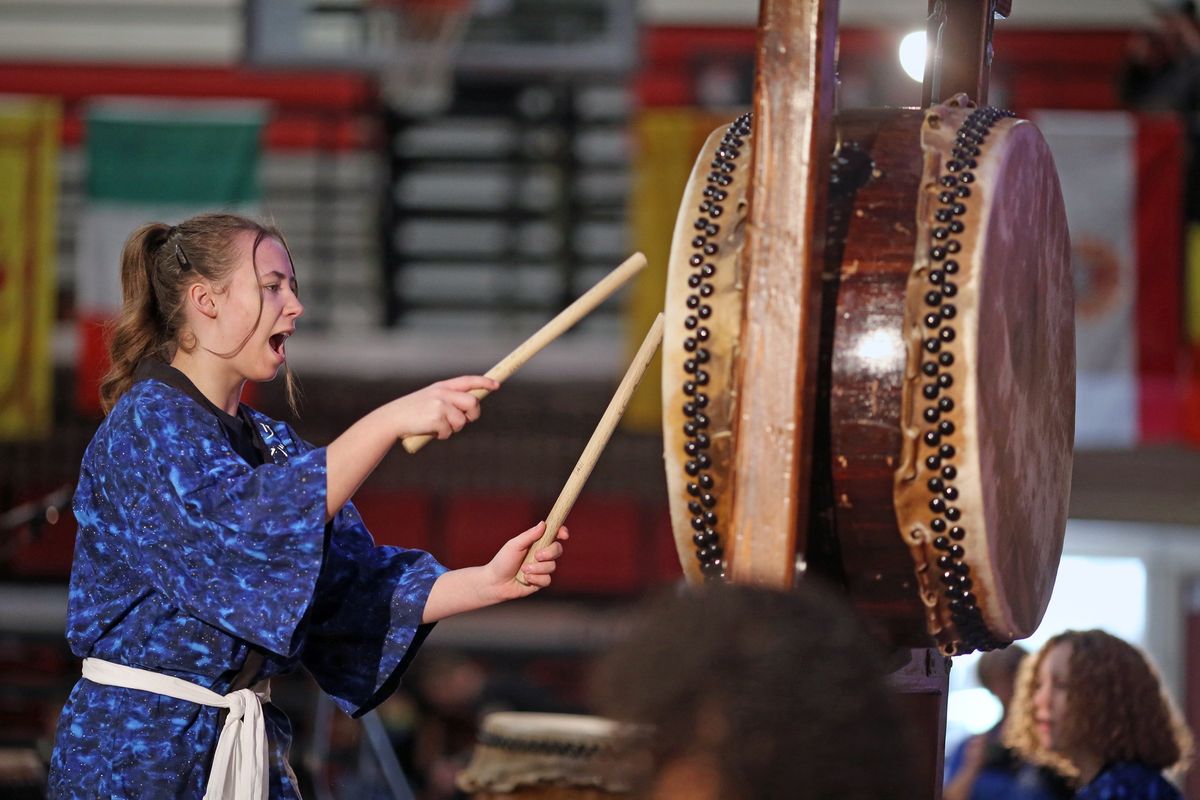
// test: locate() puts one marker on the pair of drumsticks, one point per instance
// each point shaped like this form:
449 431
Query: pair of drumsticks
616 407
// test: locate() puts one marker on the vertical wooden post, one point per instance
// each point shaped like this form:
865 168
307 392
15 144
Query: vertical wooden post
922 687
959 44
793 116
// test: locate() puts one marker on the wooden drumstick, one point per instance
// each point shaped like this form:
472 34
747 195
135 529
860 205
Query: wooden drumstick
556 327
591 453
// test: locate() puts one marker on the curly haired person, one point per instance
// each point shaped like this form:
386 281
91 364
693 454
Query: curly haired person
1091 705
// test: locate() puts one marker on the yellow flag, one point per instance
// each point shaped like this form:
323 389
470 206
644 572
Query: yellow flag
667 142
29 137
1191 308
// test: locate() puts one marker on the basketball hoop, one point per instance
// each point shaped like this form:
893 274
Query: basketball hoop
421 38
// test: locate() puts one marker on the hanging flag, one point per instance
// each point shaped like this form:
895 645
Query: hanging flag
152 160
1191 412
1122 181
30 130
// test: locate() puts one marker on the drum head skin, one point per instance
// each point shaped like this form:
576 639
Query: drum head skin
703 321
988 411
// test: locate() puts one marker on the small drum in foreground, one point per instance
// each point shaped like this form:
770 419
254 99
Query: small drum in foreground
555 757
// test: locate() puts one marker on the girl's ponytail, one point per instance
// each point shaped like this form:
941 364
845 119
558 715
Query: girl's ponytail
138 331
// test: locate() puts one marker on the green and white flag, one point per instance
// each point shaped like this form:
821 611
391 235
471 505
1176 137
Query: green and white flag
152 161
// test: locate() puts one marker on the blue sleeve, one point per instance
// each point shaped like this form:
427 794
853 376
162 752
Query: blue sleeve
954 761
365 626
237 547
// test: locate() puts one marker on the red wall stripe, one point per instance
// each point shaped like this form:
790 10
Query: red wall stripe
1033 68
310 110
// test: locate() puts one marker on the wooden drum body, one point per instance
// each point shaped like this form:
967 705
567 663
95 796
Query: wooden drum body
944 411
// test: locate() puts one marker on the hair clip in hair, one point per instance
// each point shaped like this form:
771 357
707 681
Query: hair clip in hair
182 258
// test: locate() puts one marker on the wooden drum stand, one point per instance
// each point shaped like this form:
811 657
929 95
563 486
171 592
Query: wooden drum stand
869 352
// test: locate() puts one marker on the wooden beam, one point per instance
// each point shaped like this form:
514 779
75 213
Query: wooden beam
921 688
793 115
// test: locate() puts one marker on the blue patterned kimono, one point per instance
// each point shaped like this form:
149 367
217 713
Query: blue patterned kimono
189 559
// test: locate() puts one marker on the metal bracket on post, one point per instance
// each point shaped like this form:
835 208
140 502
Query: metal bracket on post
959 44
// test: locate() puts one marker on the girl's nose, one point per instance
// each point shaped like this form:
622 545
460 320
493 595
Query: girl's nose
1040 698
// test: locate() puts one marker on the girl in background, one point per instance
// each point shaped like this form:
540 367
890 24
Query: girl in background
1091 705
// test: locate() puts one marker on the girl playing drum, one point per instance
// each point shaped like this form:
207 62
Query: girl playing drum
217 548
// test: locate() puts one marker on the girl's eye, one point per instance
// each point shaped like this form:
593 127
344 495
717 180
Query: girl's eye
272 287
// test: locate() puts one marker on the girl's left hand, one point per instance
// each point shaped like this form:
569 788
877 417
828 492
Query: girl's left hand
499 573
470 588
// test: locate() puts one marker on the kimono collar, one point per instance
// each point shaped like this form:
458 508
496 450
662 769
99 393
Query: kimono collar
161 371
240 428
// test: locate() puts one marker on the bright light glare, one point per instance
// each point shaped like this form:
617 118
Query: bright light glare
879 348
972 710
1096 592
912 55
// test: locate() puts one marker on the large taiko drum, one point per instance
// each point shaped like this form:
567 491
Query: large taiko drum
945 399
528 756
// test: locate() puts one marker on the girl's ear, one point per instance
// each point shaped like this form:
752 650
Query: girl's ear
200 297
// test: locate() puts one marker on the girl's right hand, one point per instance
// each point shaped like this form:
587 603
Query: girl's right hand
440 409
